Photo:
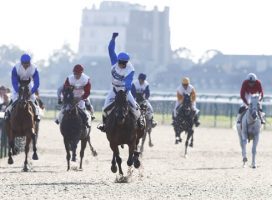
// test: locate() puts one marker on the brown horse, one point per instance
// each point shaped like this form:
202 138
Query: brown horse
121 128
21 123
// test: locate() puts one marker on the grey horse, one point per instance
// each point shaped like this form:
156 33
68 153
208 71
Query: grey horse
249 129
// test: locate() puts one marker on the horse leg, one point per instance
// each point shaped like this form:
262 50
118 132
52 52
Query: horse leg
186 144
149 135
113 164
83 146
142 144
94 153
116 158
73 148
254 150
68 155
10 149
192 141
244 142
34 143
130 154
28 140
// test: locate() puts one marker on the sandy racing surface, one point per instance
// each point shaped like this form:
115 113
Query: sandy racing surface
213 169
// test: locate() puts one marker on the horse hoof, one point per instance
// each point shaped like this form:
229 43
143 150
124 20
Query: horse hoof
151 145
137 164
25 169
10 161
94 153
244 160
113 169
73 159
191 145
35 157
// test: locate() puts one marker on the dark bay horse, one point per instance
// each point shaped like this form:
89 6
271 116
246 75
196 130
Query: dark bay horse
148 122
184 122
121 128
21 123
73 128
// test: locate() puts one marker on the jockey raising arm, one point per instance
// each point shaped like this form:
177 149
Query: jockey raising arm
250 86
122 72
24 71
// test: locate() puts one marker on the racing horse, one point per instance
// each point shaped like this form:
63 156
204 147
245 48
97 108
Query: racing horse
184 121
21 123
73 128
148 122
249 129
121 128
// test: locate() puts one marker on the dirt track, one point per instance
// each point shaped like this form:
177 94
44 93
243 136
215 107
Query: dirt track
213 170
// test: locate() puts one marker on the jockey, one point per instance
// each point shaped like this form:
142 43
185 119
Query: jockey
88 104
187 88
24 71
141 86
82 88
122 72
250 86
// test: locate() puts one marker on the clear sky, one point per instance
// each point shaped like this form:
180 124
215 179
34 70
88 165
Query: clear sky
231 26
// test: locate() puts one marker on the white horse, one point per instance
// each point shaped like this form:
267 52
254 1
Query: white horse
249 129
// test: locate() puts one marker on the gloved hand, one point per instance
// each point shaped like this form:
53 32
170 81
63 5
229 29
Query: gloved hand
114 35
59 101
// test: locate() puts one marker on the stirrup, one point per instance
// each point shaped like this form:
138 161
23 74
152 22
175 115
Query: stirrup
57 121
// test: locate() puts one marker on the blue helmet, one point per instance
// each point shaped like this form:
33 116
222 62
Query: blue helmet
142 76
25 58
123 56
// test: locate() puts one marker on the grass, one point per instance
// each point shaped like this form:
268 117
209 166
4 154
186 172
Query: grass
206 121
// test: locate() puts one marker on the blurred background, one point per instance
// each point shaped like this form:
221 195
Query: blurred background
214 43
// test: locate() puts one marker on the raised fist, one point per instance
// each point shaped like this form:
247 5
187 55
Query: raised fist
114 35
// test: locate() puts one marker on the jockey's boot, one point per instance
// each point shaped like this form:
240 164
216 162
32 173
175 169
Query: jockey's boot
239 118
140 122
90 109
35 110
84 118
102 127
261 117
196 120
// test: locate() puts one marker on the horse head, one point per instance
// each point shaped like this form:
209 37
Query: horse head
186 105
142 102
68 95
254 106
121 106
24 93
